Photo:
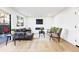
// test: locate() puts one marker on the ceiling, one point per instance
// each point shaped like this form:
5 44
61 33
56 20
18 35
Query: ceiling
39 11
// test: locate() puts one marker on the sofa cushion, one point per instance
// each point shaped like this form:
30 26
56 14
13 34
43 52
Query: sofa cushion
17 30
54 29
28 33
54 35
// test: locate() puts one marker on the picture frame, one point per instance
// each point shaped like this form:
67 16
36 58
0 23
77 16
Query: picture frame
20 21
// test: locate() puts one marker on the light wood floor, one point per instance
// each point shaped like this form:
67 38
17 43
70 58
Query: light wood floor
39 45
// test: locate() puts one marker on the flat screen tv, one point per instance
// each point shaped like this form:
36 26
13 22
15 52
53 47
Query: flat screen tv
39 21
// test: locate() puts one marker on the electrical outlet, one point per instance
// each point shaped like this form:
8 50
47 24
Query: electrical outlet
75 26
75 40
75 13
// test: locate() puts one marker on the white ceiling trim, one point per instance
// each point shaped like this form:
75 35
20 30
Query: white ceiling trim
39 11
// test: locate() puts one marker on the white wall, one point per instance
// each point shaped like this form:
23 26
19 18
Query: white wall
14 14
31 22
68 20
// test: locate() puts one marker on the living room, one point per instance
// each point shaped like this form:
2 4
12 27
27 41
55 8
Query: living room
59 17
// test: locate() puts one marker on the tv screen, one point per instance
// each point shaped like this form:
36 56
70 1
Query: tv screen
39 21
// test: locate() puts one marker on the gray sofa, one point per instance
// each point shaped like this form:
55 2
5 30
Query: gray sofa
23 34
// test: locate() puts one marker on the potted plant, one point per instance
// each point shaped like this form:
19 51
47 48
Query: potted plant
42 28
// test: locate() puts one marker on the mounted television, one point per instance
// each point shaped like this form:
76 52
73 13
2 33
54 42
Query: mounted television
39 21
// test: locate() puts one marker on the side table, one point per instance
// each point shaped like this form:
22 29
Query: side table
8 38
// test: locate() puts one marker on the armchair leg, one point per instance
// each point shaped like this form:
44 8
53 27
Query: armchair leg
58 39
14 42
44 34
39 35
6 42
50 38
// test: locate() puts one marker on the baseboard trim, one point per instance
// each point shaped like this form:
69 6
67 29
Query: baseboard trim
68 42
